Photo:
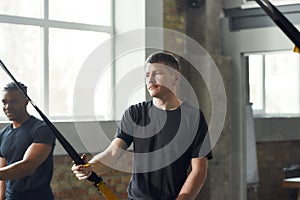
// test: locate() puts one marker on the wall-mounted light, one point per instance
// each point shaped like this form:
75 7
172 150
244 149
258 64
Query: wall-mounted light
195 3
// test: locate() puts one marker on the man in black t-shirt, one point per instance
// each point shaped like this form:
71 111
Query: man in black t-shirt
169 138
26 151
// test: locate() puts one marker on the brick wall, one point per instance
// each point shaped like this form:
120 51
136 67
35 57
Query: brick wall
174 19
67 187
272 157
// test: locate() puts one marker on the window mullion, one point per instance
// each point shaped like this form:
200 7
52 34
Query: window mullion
45 91
264 83
299 84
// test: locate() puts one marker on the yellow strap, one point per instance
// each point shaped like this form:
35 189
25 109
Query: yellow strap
87 165
106 192
296 49
103 189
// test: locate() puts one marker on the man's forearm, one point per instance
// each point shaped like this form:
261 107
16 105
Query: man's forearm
99 163
2 190
191 187
194 181
16 170
103 161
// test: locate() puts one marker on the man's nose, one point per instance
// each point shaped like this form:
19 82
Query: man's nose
5 106
150 79
8 105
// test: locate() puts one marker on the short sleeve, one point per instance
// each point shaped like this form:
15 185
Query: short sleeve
125 128
3 132
43 134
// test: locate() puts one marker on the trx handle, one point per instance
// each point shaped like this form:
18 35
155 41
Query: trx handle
105 190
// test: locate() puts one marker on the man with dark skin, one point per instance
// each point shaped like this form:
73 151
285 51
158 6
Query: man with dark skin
167 135
26 151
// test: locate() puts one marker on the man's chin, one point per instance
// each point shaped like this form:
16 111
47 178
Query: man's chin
152 94
10 118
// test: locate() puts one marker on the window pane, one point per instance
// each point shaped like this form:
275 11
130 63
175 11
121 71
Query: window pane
91 12
28 8
282 83
127 67
21 53
103 107
68 49
256 81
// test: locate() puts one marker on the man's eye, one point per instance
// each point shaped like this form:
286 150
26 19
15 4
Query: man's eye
9 102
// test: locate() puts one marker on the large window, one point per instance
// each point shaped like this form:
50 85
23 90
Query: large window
44 44
274 83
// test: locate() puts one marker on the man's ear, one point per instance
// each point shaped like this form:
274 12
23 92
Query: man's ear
27 101
177 78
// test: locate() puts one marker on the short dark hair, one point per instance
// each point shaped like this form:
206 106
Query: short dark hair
165 58
13 86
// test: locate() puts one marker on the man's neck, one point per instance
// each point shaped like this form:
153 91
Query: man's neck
19 122
170 104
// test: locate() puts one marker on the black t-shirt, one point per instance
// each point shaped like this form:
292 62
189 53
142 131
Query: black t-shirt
164 142
13 144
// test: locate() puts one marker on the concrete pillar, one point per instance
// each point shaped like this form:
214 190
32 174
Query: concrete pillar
227 170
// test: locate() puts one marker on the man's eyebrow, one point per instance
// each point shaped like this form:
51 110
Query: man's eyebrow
157 70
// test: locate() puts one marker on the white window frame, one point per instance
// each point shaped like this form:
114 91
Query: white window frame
262 113
45 23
